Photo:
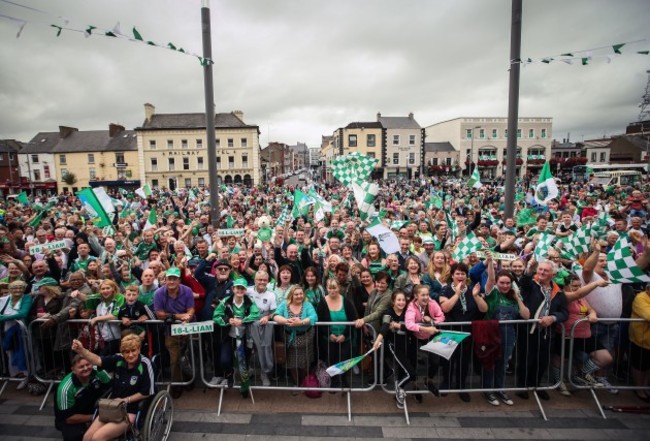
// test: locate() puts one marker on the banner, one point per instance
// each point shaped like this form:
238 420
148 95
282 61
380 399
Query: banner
57 245
231 232
193 328
445 343
497 256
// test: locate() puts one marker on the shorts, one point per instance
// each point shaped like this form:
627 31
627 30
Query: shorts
639 357
607 335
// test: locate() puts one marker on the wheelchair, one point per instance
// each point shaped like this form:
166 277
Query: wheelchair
154 420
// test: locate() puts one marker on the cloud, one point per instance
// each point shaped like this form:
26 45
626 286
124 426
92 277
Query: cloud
300 69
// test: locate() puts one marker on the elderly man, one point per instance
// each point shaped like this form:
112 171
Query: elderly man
297 262
262 333
547 302
174 302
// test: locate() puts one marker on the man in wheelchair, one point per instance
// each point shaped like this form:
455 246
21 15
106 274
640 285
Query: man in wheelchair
76 397
133 381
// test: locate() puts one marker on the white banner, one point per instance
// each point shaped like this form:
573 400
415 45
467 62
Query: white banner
231 232
56 245
193 328
497 256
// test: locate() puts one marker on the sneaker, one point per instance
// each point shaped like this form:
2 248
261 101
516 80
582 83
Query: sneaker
399 398
563 389
23 384
265 379
216 381
491 398
607 385
505 399
586 380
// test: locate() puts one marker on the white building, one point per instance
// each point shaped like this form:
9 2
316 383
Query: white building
402 146
484 140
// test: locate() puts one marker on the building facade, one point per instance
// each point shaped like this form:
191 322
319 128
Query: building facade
9 166
37 163
483 142
402 146
172 149
440 158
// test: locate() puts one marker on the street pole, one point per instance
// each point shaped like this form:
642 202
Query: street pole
513 107
209 112
471 155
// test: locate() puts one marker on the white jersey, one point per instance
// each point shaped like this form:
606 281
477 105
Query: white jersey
265 301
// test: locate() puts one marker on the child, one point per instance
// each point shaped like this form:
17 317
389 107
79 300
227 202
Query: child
133 311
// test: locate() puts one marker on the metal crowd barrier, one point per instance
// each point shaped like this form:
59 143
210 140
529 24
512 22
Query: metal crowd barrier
612 335
6 362
280 356
51 353
527 369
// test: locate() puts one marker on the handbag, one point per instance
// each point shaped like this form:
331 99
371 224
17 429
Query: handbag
112 410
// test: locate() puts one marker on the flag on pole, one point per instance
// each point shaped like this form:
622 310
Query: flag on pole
353 167
321 206
434 201
386 238
621 266
343 366
365 195
546 188
453 225
152 220
284 216
301 203
475 179
93 207
526 217
470 244
544 243
22 198
144 191
104 199
445 343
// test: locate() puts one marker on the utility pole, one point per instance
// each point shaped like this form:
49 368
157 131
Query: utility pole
209 112
513 107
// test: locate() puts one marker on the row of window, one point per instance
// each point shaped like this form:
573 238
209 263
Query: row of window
495 133
63 160
411 159
198 143
594 157
371 140
92 174
200 164
2 156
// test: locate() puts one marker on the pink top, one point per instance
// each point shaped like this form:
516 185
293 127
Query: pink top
414 316
578 309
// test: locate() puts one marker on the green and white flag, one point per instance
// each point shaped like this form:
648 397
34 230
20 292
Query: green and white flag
22 198
152 220
398 224
353 167
301 203
581 240
144 191
544 243
434 201
621 266
445 343
343 366
475 179
453 226
284 216
547 188
467 246
321 206
387 239
93 207
365 195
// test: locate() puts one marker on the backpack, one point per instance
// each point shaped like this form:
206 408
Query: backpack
487 342
311 381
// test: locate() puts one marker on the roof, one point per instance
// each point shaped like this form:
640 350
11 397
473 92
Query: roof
83 141
438 147
124 141
43 142
167 121
637 141
365 125
398 122
10 145
597 143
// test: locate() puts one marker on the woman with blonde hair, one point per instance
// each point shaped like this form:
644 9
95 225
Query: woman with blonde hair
133 382
108 305
298 317
437 274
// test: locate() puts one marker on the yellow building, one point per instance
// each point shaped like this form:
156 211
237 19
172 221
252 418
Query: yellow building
94 158
172 149
362 137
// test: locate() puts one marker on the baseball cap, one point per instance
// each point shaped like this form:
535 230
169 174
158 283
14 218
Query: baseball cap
173 272
240 282
222 262
46 281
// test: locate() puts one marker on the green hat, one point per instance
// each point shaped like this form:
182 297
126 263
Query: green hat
46 281
240 282
173 272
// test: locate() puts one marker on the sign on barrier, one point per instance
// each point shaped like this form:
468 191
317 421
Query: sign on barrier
231 232
497 256
192 328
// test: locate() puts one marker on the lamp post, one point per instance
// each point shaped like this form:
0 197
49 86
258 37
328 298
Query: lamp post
471 152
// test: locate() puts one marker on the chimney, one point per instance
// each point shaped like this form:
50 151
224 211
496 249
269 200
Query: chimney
239 114
149 111
64 131
411 115
114 129
378 116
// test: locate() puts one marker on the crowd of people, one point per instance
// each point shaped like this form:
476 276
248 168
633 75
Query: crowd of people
318 268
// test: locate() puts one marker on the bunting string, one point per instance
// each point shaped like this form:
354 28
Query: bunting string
92 31
585 56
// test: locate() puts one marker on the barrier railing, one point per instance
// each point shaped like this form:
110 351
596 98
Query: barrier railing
15 361
273 357
607 354
526 353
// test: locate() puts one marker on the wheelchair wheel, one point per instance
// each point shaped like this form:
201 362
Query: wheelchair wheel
160 416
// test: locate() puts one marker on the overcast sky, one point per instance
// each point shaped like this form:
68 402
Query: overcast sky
300 69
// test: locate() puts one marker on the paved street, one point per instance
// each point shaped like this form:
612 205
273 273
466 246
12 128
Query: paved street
278 415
